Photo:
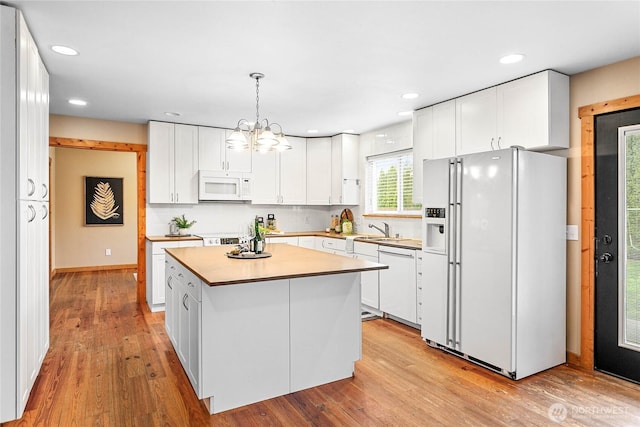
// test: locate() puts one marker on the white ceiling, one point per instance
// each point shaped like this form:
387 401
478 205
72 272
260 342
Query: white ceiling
329 65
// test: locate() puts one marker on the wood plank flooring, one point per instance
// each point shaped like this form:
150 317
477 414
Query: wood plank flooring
111 364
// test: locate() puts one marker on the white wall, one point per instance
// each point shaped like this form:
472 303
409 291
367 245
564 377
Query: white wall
216 217
380 141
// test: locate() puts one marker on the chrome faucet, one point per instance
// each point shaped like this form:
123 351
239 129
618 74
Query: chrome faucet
385 231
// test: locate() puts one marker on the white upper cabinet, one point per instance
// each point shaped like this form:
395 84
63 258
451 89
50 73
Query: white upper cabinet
214 154
281 177
531 112
33 117
264 186
319 171
345 184
172 169
434 137
293 173
476 122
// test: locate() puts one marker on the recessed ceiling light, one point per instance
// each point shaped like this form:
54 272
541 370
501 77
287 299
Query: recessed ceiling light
312 131
64 50
410 96
512 58
172 114
78 102
405 113
381 135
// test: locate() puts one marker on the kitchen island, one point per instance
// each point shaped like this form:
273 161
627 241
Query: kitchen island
247 330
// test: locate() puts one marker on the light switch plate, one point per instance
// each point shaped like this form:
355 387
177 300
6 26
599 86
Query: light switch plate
572 232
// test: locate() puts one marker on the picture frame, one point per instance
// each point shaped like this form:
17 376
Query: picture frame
104 199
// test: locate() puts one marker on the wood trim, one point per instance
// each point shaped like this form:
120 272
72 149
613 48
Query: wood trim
391 216
96 268
587 115
573 359
142 225
619 104
89 144
141 176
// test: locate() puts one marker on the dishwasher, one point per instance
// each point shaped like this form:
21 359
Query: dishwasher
398 283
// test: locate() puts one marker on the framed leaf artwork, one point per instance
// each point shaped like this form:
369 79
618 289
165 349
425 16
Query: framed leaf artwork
103 201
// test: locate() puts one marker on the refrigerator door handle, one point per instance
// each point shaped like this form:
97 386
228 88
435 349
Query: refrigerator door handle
458 243
451 271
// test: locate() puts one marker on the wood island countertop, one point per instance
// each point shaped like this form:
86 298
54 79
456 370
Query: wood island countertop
211 264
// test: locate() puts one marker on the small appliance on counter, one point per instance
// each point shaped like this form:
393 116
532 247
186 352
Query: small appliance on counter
346 221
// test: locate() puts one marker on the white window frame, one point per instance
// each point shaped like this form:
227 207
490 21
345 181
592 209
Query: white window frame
398 159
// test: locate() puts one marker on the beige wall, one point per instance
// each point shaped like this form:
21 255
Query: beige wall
73 244
601 84
77 245
100 130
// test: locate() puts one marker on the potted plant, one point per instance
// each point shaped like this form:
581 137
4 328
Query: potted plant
182 223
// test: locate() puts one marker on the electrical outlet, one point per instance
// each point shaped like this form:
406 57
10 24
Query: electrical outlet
572 232
107 252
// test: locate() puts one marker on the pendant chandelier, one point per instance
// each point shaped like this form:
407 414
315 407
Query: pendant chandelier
258 135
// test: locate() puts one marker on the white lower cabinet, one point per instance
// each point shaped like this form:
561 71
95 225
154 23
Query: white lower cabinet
369 281
398 283
419 284
291 240
307 242
331 245
155 267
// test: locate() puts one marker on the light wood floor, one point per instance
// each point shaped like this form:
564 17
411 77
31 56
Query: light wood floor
111 364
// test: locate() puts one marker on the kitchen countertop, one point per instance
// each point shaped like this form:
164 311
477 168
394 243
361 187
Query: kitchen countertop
211 264
172 238
399 242
407 243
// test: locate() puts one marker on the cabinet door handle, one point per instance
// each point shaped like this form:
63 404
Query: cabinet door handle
180 275
393 253
32 187
45 212
184 299
190 285
45 190
492 144
33 214
169 282
177 197
227 165
171 198
499 138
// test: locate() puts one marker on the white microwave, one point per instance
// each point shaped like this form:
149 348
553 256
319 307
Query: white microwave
219 185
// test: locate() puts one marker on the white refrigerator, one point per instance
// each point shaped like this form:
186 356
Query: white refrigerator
494 259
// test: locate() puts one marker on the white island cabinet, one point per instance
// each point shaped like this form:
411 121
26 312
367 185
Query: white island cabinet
248 330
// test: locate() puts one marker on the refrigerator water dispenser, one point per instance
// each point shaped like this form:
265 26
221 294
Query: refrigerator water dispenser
435 236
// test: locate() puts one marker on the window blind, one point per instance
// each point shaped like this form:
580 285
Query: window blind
389 184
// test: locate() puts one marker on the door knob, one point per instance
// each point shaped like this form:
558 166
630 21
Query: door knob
606 239
606 257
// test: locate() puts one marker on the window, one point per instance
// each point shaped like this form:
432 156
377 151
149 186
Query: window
389 187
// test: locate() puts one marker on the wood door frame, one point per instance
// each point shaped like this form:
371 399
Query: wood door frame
141 175
587 115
